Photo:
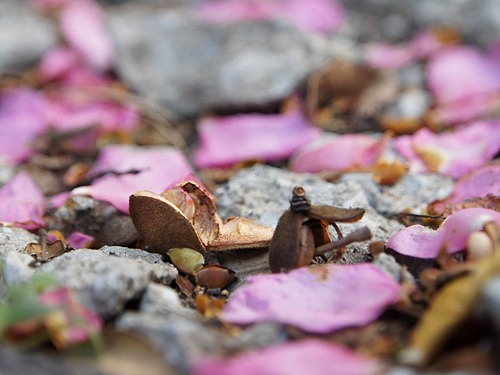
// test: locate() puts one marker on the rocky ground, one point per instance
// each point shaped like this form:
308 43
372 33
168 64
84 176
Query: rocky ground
173 71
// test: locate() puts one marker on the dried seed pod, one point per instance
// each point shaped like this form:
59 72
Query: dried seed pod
214 276
302 231
187 260
161 224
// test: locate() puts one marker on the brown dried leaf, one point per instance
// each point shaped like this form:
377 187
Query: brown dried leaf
385 173
45 251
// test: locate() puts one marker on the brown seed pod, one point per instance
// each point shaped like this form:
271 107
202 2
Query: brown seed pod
302 232
186 217
214 276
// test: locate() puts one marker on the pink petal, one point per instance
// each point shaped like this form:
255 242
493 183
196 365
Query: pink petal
480 183
322 16
79 240
23 116
133 169
453 153
82 24
318 299
423 242
308 356
79 323
387 56
22 203
458 73
464 81
68 116
341 153
57 62
228 140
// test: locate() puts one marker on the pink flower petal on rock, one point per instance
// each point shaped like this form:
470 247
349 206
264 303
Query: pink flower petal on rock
309 356
464 82
130 169
225 141
318 299
480 183
341 153
423 242
79 240
453 153
23 116
22 203
322 16
82 24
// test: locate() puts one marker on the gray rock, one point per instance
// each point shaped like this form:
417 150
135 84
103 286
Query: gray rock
183 339
396 20
25 35
414 191
190 66
180 338
160 299
16 267
14 239
161 272
103 283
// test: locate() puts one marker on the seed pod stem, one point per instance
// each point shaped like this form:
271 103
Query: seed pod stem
361 234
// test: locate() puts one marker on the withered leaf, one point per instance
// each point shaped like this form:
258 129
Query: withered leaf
45 251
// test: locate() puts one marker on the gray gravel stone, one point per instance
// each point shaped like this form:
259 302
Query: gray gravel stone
103 283
160 299
161 272
397 20
25 35
14 239
183 339
414 191
190 66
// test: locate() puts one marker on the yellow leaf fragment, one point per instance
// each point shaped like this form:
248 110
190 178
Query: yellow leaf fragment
448 310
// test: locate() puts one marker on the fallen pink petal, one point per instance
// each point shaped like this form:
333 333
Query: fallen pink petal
94 44
423 242
477 184
24 115
57 62
344 152
454 153
478 86
127 169
258 137
318 299
79 323
309 356
22 203
323 16
79 240
387 56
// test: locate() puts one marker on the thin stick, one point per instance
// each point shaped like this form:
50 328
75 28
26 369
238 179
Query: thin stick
361 234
